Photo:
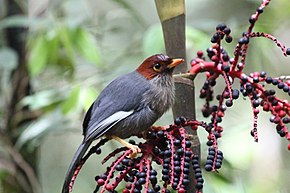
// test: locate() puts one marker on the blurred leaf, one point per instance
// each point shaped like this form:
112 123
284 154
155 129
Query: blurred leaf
65 34
15 21
72 10
197 38
88 96
8 58
41 99
86 45
53 46
66 66
72 101
40 127
153 41
24 21
38 56
134 13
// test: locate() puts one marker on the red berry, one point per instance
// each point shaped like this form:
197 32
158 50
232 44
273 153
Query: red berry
288 137
181 190
125 191
199 53
289 147
109 187
101 182
282 113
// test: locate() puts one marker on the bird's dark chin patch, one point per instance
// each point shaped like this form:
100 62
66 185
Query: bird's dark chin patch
168 70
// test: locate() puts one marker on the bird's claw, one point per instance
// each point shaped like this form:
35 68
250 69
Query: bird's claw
135 150
158 128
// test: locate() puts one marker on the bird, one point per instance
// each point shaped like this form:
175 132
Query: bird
128 106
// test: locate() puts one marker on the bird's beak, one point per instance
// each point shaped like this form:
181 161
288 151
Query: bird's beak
175 62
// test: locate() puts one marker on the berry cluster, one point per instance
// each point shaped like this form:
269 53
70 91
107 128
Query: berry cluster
169 150
253 86
214 159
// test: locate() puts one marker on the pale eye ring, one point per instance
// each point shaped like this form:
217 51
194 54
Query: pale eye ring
157 67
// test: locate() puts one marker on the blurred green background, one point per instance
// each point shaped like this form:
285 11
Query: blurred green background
74 48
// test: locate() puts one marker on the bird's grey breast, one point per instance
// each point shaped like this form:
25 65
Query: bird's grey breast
160 96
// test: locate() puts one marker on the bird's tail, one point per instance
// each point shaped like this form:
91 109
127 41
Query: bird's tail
74 164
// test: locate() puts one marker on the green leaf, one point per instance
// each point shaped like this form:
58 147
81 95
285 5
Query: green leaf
40 127
41 99
196 38
88 95
85 44
72 101
54 47
65 35
153 41
38 56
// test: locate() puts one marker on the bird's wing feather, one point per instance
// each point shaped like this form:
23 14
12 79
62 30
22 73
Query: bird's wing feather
106 124
117 101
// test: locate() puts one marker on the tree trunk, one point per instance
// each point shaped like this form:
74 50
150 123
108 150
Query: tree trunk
172 17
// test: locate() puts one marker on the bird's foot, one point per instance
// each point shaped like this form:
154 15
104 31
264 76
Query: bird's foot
134 148
158 128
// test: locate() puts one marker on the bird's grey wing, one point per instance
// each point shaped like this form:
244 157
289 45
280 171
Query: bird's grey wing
101 128
117 101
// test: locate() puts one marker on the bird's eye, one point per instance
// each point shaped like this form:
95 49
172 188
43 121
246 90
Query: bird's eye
157 67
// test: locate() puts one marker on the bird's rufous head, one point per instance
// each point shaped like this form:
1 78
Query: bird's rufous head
158 64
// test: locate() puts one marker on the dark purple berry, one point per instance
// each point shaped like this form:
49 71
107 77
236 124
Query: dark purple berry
256 103
160 134
268 80
199 185
227 31
220 27
280 85
235 93
165 178
229 39
218 165
288 51
244 40
98 151
263 74
209 143
209 162
256 79
187 144
226 68
260 10
252 20
229 103
156 188
177 121
200 180
208 168
210 52
275 81
286 88
286 120
177 142
272 92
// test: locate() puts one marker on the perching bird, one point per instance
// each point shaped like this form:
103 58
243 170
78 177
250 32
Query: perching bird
128 106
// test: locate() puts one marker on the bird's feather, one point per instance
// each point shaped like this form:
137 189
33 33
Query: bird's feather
124 94
74 164
106 124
